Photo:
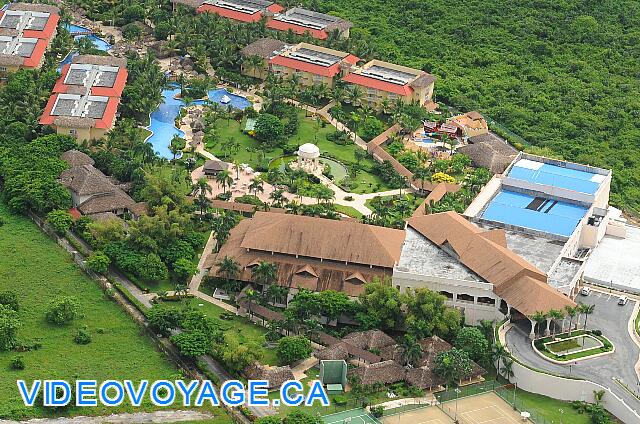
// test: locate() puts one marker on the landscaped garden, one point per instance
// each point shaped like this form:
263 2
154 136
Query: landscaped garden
226 139
579 344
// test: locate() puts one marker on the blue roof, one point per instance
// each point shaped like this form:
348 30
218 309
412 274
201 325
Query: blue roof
556 176
546 215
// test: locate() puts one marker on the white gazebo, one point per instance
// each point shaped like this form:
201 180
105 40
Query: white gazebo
308 157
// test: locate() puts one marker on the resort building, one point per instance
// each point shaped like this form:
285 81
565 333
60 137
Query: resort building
85 98
489 151
93 193
26 29
265 49
241 10
303 21
553 212
387 81
469 124
312 253
310 64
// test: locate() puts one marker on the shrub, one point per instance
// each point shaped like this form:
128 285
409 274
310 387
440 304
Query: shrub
17 363
377 411
441 177
596 332
10 298
62 311
98 262
9 325
60 221
339 400
82 337
293 348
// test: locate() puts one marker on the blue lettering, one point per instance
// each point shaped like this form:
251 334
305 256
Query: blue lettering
168 399
51 393
186 390
104 396
207 392
29 396
317 393
86 393
135 397
288 400
258 392
236 397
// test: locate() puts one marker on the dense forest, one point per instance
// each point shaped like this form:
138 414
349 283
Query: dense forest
562 74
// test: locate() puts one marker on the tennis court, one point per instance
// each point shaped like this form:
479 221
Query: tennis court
352 416
486 408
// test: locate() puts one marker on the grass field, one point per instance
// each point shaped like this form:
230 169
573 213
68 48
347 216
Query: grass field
38 270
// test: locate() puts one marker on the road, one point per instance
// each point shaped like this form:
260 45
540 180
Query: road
613 321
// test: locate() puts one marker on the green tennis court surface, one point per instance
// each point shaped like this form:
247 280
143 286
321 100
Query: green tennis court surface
353 416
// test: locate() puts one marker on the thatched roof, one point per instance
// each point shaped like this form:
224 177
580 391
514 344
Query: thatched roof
76 158
264 47
335 352
274 375
489 151
387 372
368 340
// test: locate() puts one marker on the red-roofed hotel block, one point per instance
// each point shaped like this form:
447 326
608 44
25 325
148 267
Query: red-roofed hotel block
85 98
240 10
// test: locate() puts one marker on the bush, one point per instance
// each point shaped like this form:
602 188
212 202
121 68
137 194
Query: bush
62 311
9 325
17 363
10 298
340 400
82 337
98 262
293 348
594 332
441 177
377 411
60 220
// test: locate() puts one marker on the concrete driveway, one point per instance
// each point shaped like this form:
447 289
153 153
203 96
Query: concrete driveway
613 320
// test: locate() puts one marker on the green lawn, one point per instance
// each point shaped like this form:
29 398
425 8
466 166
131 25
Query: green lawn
38 270
545 409
348 210
240 328
310 130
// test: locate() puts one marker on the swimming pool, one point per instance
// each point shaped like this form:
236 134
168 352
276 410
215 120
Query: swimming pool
162 120
556 176
536 213
97 41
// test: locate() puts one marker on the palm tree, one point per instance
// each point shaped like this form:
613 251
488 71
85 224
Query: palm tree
224 177
253 62
229 267
539 318
498 355
555 314
572 311
507 370
486 327
411 351
236 164
265 273
354 95
200 189
277 197
423 174
586 310
256 185
293 207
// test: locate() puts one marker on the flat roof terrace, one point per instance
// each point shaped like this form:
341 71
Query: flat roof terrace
556 176
387 74
74 105
88 75
17 46
306 18
22 20
534 212
243 6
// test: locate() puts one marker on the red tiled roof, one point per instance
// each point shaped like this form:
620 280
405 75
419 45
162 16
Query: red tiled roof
115 91
44 37
325 71
47 118
231 14
352 59
275 8
109 113
353 78
320 34
47 31
37 54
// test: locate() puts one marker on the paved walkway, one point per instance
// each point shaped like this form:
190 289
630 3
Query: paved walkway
299 371
616 323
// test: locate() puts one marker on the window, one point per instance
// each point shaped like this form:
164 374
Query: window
73 132
3 69
447 294
317 78
486 301
465 298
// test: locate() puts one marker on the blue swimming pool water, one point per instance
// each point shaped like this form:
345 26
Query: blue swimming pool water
510 207
557 176
97 41
162 120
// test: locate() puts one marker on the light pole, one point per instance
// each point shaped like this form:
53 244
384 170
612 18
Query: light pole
515 389
455 420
